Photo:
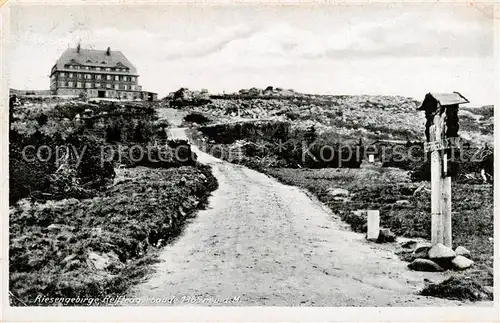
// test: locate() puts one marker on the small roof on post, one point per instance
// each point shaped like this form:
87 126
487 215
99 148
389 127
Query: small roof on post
443 99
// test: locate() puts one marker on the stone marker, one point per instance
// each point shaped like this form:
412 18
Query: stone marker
461 263
462 251
424 265
373 225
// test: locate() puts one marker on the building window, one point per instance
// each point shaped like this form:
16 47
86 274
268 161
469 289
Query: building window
97 68
98 77
133 78
98 85
70 74
116 87
79 76
79 84
108 69
70 84
108 77
116 78
88 85
62 74
132 87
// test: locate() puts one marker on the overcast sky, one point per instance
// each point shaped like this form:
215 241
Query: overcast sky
339 49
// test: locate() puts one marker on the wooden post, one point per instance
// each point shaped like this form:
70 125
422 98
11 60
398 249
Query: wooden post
436 221
446 204
435 135
373 224
441 135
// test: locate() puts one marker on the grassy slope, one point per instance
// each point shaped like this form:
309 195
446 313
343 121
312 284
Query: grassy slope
102 243
100 246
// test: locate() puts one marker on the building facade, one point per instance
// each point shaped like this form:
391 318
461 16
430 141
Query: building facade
99 73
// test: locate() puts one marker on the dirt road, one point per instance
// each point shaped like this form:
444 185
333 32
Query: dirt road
264 243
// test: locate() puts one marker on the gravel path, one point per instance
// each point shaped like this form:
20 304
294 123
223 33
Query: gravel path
264 243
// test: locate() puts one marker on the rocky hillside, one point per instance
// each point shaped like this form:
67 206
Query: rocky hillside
361 116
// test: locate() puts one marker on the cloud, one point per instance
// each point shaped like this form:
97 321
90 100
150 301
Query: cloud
336 51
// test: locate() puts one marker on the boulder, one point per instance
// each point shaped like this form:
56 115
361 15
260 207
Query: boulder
462 251
461 263
425 265
386 235
334 191
440 251
422 247
410 244
421 250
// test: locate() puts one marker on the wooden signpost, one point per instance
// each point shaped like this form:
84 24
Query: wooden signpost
442 136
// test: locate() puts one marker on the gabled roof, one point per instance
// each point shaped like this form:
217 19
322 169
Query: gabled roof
94 57
443 99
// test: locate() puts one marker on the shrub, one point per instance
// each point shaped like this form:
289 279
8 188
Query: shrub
51 243
196 117
83 96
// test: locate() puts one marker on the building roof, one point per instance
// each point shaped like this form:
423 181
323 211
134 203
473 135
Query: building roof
443 99
94 57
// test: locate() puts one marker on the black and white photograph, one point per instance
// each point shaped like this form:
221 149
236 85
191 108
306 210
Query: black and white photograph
259 155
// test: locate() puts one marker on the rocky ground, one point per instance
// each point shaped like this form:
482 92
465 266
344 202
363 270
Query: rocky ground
366 116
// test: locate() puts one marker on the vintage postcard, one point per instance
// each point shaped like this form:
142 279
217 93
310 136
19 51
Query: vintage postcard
272 161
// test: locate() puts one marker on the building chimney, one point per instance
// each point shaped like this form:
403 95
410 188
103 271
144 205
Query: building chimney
108 51
78 48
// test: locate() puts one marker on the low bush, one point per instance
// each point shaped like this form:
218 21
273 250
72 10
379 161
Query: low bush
97 247
458 288
265 140
196 117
